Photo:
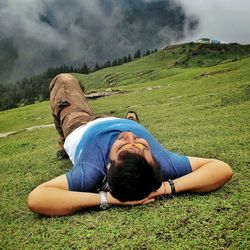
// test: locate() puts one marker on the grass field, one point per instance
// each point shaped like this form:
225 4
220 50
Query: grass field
192 110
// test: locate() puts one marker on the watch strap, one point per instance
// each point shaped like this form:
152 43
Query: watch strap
171 183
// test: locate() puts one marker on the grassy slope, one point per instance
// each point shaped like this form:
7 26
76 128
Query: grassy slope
201 111
24 117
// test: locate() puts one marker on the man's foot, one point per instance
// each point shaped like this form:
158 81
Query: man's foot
131 115
62 154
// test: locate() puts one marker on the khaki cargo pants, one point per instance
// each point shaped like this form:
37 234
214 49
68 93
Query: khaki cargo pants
70 108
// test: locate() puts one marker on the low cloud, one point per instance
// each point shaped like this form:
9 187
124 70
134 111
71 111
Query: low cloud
35 35
225 20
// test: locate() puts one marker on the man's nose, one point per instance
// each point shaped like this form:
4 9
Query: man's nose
130 137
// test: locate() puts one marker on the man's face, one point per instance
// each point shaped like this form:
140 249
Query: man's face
127 141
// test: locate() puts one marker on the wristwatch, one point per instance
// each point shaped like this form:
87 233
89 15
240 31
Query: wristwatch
104 202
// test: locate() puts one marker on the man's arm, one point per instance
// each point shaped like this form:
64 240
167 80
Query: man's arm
207 175
53 198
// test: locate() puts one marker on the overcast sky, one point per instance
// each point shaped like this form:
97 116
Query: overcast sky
227 20
35 34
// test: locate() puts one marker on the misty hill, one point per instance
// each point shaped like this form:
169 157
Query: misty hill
183 72
167 62
170 61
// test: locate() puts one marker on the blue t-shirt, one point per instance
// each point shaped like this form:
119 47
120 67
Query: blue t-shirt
92 155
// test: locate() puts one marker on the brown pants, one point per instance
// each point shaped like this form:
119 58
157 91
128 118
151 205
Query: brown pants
70 108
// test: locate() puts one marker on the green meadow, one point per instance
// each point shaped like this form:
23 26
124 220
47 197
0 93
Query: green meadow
195 102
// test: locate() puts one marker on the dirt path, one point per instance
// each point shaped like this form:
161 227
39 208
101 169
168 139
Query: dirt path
26 129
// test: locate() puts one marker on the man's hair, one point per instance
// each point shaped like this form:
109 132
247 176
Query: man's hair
132 177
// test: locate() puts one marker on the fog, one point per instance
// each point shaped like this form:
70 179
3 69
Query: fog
35 35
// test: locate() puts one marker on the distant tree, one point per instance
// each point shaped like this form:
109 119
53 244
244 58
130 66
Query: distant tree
107 64
137 54
129 58
148 52
120 61
84 69
125 59
97 67
114 62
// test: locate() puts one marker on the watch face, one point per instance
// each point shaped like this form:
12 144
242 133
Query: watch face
104 206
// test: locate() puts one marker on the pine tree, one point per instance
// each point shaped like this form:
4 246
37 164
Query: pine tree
137 54
129 58
84 69
97 67
125 59
107 64
114 62
120 61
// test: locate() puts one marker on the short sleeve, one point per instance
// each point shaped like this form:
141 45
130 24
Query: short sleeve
85 177
173 165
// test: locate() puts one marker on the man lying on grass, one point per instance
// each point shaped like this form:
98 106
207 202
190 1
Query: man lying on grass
116 161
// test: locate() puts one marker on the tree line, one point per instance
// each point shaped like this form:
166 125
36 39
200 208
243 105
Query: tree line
35 88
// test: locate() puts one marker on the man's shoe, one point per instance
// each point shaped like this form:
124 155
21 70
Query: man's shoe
62 154
131 115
